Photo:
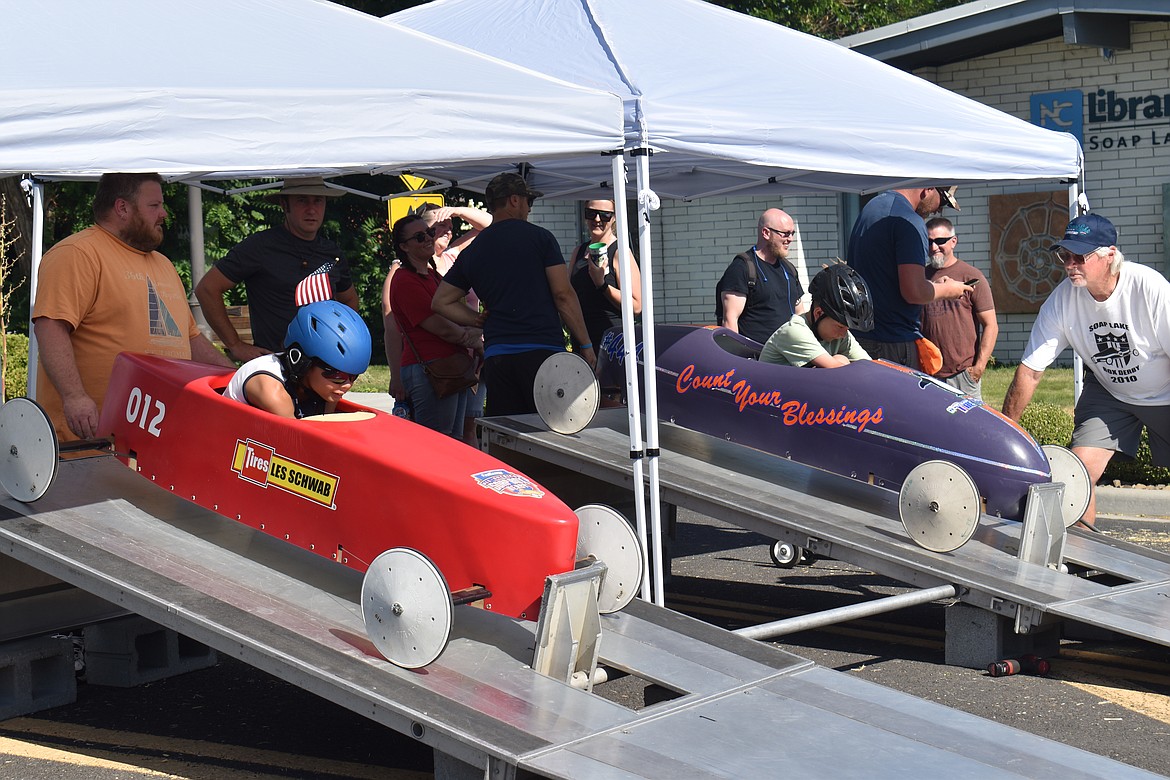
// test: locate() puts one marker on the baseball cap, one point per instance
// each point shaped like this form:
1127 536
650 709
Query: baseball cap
506 184
948 197
1087 233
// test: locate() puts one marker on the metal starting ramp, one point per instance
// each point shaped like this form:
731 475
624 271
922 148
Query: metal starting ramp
1121 587
296 615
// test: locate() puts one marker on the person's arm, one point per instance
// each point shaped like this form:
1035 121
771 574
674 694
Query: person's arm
349 297
448 302
209 292
452 333
393 338
1020 391
987 339
733 306
614 294
917 289
203 351
266 392
825 360
55 349
477 218
569 307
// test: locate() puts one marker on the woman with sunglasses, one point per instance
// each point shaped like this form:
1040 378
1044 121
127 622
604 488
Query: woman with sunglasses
595 276
326 348
441 220
426 335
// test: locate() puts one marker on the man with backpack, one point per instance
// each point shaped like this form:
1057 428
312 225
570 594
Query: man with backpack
760 290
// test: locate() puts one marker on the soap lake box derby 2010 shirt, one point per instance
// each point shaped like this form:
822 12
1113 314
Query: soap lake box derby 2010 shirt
1124 341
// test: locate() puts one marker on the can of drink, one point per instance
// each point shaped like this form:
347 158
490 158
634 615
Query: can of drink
1003 668
404 409
598 253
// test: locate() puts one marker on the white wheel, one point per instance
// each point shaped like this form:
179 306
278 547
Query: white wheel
939 505
785 554
29 452
407 608
1068 468
604 534
566 393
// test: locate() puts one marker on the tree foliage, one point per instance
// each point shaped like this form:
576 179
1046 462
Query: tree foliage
822 18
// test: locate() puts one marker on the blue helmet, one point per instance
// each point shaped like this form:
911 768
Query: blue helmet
332 333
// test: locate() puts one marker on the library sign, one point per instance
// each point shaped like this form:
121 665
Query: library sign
1106 118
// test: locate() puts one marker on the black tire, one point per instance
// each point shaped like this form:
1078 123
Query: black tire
785 554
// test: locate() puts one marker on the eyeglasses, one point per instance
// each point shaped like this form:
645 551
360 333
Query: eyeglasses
592 214
1065 257
337 377
781 233
422 235
941 241
531 200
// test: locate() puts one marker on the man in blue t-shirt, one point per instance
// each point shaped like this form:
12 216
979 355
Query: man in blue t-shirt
519 274
888 249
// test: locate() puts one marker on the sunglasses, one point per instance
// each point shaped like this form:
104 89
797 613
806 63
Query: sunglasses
422 235
781 233
337 377
1065 257
941 241
592 214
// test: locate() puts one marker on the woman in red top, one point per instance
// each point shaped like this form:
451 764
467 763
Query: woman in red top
425 335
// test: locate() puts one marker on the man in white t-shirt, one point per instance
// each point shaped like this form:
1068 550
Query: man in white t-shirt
1116 316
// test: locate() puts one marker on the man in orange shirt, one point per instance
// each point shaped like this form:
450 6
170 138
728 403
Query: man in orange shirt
106 290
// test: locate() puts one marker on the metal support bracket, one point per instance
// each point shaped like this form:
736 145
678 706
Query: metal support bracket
568 633
1043 534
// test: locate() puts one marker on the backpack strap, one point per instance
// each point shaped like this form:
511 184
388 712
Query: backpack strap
750 262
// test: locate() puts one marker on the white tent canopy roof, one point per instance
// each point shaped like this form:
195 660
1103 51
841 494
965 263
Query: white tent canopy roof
733 103
226 88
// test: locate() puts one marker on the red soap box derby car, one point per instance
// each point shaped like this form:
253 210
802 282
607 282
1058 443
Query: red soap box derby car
353 485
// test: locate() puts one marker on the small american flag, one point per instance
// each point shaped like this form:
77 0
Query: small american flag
315 286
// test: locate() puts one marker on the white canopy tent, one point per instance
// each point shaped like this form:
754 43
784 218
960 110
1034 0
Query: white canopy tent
232 88
237 88
732 104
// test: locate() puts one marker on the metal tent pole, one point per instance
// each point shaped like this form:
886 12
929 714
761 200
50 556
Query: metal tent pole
647 202
630 363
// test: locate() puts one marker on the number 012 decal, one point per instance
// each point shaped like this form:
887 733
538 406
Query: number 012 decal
145 412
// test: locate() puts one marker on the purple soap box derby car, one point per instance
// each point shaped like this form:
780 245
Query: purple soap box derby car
951 457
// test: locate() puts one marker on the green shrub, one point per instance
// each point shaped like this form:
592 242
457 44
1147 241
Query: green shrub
16 369
1139 470
1048 424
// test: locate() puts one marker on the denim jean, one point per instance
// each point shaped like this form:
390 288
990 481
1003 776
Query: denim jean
444 415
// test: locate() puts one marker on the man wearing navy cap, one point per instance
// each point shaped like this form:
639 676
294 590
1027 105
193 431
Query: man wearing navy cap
1116 316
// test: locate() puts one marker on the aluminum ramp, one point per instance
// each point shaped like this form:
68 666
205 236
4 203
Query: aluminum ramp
295 615
855 522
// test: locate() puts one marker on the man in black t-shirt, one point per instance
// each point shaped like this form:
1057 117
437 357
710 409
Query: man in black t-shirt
282 268
517 270
760 290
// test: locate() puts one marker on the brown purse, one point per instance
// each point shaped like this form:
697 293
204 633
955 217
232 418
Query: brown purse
450 374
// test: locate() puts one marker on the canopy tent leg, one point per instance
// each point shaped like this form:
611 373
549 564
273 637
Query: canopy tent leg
37 190
630 361
647 202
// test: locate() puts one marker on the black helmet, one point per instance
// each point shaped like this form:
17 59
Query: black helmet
844 296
